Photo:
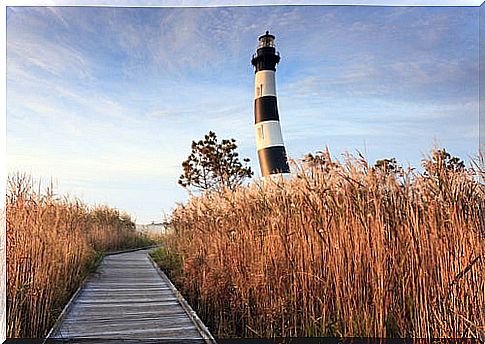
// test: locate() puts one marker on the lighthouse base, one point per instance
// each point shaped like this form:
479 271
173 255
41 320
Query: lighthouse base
272 160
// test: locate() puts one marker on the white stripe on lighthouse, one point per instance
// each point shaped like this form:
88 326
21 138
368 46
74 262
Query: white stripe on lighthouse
268 134
264 84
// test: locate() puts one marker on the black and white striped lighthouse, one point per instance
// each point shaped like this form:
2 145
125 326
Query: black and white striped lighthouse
269 140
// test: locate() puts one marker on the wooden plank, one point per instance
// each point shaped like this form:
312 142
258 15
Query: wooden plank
128 298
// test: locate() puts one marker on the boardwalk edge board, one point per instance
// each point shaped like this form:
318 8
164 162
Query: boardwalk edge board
203 330
66 309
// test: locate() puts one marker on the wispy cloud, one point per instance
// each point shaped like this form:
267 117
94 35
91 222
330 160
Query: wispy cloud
109 99
31 50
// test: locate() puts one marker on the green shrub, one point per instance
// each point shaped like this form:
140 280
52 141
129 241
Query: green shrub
169 262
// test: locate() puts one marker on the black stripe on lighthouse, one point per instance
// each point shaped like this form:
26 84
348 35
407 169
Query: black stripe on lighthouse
273 160
269 140
265 109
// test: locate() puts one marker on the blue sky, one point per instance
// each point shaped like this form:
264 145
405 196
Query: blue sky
107 100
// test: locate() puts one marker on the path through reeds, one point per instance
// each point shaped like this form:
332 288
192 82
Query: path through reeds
52 243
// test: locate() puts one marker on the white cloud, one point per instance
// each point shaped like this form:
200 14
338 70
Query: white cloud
55 58
111 98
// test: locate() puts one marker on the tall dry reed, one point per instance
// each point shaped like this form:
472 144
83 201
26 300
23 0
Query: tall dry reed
339 249
52 243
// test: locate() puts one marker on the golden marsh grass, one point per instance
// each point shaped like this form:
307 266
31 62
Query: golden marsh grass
52 243
339 249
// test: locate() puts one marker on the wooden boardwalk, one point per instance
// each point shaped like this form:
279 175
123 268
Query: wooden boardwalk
129 300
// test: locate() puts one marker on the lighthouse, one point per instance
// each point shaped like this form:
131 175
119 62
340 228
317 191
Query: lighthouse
269 140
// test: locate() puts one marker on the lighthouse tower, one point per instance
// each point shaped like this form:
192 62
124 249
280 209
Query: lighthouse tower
269 141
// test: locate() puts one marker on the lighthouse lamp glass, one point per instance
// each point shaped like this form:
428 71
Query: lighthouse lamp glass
266 42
